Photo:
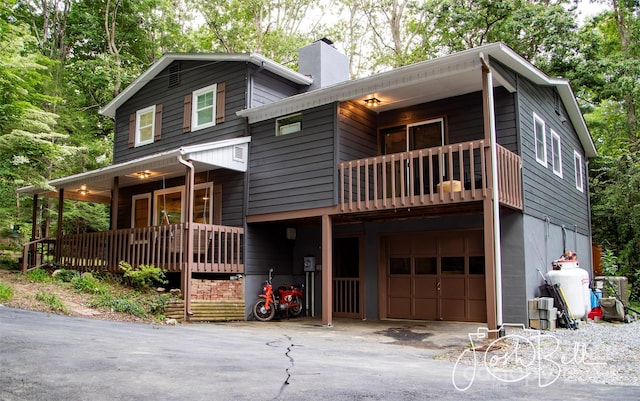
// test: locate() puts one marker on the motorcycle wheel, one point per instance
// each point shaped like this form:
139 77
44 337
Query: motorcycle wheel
296 310
261 313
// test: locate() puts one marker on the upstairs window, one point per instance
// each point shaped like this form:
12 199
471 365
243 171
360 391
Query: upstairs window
556 154
289 124
203 113
577 161
204 108
540 139
145 126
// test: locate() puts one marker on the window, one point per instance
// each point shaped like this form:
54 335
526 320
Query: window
203 203
577 161
168 205
540 140
556 153
203 113
140 216
289 124
145 125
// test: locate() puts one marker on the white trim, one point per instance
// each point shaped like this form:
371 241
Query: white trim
542 159
425 122
194 107
139 114
579 171
557 170
291 128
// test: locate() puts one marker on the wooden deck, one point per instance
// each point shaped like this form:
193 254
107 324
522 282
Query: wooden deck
435 176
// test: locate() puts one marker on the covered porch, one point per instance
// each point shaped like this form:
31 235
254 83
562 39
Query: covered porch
173 228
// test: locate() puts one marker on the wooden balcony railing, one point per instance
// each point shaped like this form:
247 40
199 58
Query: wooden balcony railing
38 253
215 248
434 176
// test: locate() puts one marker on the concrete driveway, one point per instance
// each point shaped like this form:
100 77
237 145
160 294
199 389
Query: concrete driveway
52 357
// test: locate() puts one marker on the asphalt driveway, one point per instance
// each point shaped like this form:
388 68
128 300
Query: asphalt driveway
52 357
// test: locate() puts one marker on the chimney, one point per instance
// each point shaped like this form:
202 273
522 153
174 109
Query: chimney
324 63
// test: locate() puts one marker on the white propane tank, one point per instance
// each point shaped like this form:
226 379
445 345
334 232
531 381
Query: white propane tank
574 282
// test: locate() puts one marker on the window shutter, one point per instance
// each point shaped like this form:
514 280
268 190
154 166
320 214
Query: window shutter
186 118
220 100
217 204
158 128
132 129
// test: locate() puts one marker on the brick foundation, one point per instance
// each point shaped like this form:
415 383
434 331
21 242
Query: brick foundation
217 290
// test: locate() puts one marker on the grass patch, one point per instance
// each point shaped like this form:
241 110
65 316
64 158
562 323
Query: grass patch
89 284
52 300
5 292
38 276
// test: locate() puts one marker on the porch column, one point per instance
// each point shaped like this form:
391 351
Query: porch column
34 231
491 207
115 194
58 250
187 260
327 272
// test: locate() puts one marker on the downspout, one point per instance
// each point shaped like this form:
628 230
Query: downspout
494 192
189 240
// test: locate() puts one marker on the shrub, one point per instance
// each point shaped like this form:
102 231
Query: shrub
65 275
9 263
87 283
144 276
52 301
122 305
38 275
5 292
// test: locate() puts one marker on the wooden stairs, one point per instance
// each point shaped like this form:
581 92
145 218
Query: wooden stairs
207 311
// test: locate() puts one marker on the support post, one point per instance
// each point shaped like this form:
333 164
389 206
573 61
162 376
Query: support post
115 194
187 258
327 272
491 207
58 249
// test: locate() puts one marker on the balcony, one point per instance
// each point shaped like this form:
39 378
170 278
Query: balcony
216 249
450 174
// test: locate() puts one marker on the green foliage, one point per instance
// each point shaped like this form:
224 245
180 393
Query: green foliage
88 284
121 305
8 262
38 275
52 301
65 275
5 292
143 277
609 263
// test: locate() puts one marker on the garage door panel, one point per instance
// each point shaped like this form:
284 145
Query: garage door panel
399 287
453 309
477 290
453 288
426 309
425 287
478 310
400 307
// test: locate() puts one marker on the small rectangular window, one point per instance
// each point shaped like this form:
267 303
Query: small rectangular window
556 153
289 125
540 139
203 111
577 161
145 125
399 265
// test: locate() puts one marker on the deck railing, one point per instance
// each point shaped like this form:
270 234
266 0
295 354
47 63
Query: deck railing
215 248
346 296
433 176
38 253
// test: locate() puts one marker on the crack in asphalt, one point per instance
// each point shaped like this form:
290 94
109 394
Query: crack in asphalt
287 370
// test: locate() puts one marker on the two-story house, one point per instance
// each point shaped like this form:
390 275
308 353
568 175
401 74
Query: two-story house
433 191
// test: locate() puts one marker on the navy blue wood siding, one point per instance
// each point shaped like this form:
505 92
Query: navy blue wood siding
357 127
193 76
295 171
546 194
266 87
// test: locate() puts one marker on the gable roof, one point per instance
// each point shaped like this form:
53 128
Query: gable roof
446 76
110 109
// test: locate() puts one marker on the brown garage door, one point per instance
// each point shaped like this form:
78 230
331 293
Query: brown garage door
436 276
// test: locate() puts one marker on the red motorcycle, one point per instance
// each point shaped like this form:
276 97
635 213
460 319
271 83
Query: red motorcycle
288 301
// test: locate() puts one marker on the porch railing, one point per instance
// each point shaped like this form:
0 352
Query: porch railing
434 176
215 248
38 253
346 297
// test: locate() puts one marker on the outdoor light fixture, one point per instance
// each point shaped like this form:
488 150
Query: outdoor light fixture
372 102
144 174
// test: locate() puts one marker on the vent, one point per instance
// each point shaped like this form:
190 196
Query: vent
174 74
238 153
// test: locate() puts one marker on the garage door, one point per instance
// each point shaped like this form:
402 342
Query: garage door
436 276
